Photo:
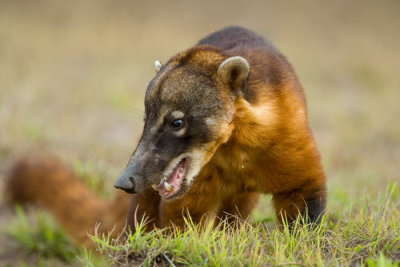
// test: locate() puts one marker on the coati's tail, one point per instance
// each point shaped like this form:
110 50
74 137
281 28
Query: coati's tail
51 184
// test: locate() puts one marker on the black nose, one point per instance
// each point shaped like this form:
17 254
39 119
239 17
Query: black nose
126 183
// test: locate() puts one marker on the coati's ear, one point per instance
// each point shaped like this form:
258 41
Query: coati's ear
158 65
234 72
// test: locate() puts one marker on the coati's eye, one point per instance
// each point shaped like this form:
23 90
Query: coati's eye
177 124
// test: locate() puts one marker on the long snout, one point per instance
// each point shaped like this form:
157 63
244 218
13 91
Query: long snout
142 168
126 182
130 180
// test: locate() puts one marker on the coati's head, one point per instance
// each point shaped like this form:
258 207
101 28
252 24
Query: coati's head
188 115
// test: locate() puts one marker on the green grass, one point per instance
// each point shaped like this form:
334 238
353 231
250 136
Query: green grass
48 242
42 237
381 261
368 234
365 231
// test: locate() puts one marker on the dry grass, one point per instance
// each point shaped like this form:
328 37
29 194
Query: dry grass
73 75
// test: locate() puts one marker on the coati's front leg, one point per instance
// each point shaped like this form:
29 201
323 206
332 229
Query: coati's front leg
200 209
238 207
308 201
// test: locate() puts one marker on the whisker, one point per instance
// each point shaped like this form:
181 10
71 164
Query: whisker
133 112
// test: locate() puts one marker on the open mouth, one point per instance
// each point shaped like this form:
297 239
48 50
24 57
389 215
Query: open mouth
170 185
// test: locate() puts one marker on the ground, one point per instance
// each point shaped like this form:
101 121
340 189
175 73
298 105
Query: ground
73 76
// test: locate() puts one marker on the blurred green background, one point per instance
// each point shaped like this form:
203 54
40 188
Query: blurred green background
73 76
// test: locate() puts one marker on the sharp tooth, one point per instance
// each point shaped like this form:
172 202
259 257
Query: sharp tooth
154 186
168 187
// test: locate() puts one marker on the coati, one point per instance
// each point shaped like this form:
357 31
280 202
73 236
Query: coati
225 121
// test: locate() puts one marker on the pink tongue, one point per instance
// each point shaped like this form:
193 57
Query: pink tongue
175 180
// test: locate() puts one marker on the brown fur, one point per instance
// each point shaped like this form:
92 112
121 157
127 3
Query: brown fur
46 181
265 148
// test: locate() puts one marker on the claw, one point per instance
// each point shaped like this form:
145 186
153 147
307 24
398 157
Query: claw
154 186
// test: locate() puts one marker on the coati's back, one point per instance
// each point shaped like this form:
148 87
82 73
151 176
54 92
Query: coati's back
233 37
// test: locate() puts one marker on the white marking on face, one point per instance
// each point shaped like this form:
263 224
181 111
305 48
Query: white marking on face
177 114
181 132
210 122
197 161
